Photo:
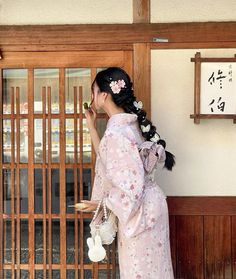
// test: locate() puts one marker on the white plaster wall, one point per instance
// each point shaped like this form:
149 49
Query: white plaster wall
17 12
205 153
193 10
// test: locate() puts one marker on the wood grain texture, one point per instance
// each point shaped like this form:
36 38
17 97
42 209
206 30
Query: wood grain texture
62 174
142 76
212 116
202 205
31 238
44 183
197 84
18 190
189 239
68 59
217 247
195 45
202 237
186 32
141 11
233 235
14 256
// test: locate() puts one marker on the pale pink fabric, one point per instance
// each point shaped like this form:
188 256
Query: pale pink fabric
151 153
136 199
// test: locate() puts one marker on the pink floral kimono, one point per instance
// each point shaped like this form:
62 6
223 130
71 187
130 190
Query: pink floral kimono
136 199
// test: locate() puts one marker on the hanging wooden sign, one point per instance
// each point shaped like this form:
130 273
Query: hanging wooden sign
214 88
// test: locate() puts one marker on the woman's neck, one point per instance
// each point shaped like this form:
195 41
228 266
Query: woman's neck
113 110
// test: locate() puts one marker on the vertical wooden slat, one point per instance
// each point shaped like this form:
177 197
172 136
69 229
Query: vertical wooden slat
172 228
17 173
233 246
81 180
49 184
44 185
62 175
197 80
142 77
75 182
189 237
128 63
13 237
108 250
113 259
93 158
141 11
1 184
217 240
31 171
95 270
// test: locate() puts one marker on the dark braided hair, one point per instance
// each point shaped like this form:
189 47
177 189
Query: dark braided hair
126 100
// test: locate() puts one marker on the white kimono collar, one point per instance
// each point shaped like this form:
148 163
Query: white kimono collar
122 118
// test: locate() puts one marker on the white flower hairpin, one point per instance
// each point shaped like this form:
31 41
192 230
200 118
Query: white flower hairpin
116 86
138 105
155 138
145 129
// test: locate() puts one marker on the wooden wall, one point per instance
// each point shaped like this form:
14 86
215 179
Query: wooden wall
203 237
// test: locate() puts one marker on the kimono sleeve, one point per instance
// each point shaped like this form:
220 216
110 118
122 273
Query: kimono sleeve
124 168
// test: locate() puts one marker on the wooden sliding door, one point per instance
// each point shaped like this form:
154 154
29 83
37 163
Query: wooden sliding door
47 163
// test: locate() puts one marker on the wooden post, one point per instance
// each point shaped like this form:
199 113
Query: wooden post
197 81
62 176
141 69
142 77
31 237
141 11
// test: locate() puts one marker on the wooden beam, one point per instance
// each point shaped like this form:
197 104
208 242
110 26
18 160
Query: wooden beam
141 11
66 35
142 76
50 59
197 205
191 45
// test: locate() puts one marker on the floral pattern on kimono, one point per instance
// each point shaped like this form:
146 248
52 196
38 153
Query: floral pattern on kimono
136 199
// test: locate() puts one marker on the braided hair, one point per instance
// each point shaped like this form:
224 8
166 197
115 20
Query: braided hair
126 99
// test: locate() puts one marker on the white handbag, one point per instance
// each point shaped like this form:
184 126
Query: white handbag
104 223
103 229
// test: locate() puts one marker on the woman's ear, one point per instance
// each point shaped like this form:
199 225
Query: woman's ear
105 96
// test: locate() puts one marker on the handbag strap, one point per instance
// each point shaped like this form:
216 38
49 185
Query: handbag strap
101 202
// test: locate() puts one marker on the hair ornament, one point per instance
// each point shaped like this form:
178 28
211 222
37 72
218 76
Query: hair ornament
138 105
155 138
116 86
145 129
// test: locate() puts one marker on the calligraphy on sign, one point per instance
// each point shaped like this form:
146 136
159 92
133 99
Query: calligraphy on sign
218 88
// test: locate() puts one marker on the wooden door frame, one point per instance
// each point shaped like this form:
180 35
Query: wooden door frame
31 60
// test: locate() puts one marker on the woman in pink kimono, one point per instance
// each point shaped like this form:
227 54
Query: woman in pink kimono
127 156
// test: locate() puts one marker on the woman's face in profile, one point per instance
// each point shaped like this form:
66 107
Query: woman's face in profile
95 96
98 98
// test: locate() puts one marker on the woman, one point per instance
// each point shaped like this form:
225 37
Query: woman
126 160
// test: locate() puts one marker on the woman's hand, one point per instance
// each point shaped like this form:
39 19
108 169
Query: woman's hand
86 206
90 115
